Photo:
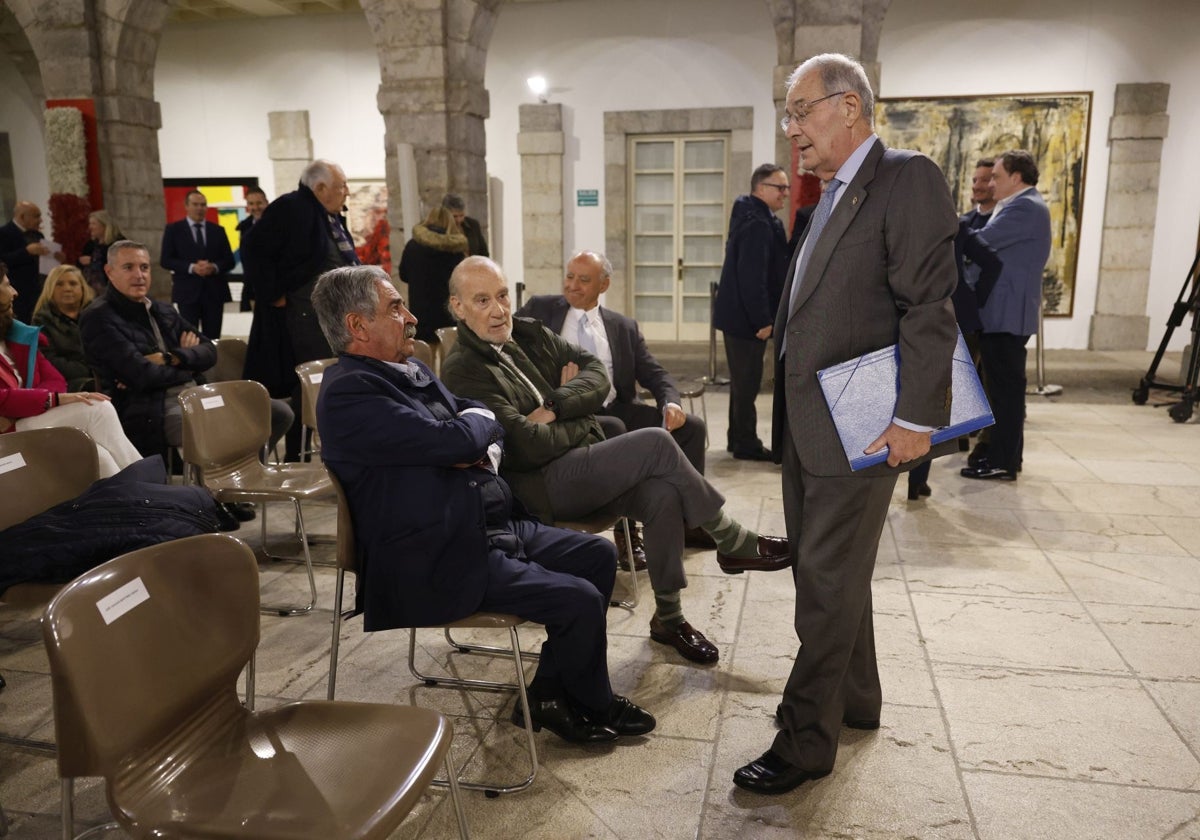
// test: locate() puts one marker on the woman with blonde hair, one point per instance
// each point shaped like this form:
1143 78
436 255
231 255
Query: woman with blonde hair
437 246
104 231
63 297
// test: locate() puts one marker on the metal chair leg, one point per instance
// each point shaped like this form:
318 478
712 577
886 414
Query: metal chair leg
488 650
631 603
283 609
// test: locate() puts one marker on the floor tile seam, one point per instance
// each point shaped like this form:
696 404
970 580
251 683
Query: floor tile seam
1050 599
983 771
721 708
1038 670
1036 546
940 705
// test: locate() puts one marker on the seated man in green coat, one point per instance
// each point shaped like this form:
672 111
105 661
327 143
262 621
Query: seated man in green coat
545 392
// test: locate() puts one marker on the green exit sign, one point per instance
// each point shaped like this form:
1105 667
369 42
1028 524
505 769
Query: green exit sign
587 198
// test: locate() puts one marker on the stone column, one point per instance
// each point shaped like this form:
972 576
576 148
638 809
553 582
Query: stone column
1135 136
540 144
289 147
431 96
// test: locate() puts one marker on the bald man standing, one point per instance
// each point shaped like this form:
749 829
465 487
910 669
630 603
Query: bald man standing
21 247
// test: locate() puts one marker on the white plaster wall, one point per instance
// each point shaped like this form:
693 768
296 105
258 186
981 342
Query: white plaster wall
21 119
217 81
965 47
619 55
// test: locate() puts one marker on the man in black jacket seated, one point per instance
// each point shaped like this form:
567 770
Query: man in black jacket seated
439 534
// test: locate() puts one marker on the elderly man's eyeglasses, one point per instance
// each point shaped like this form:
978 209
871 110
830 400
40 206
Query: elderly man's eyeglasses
800 115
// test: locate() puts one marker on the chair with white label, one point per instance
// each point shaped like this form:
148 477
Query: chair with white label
310 374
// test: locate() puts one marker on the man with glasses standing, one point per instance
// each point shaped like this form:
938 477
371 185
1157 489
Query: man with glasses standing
876 267
756 258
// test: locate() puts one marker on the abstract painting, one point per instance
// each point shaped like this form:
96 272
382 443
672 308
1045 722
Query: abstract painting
955 131
366 216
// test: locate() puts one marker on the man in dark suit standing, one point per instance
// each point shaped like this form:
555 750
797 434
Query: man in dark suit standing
876 267
256 203
439 532
21 248
1019 231
197 254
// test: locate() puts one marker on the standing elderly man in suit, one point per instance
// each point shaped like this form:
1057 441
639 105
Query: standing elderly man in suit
876 267
21 249
616 340
197 254
1019 232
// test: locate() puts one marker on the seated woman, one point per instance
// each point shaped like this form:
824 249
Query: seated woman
63 297
103 231
33 395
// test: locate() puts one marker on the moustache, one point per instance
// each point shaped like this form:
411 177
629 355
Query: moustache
410 331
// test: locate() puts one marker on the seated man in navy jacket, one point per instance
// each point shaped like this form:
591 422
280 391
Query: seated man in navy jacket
438 532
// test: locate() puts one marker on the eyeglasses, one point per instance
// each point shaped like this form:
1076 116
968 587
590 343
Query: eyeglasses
781 187
802 111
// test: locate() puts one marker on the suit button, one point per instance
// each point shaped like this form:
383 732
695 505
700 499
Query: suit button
472 483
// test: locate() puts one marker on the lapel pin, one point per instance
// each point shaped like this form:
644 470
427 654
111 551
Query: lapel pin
853 200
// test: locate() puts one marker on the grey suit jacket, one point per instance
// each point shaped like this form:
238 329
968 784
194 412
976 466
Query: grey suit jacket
882 272
632 361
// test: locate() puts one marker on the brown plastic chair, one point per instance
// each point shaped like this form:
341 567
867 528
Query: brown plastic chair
310 374
145 652
447 336
424 352
225 427
347 562
231 360
39 469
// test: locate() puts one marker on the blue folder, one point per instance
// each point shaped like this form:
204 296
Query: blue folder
861 394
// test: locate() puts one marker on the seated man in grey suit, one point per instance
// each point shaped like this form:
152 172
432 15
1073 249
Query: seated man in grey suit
615 340
545 392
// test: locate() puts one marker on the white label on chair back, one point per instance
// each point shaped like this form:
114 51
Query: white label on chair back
12 462
120 601
212 402
317 377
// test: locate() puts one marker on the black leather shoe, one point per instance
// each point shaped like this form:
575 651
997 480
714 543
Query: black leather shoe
686 639
698 538
557 716
987 472
760 454
242 511
772 556
226 521
635 539
916 491
624 717
770 774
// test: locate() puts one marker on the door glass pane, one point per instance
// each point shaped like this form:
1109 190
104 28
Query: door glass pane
655 278
649 309
703 186
703 218
702 249
651 155
696 279
695 310
653 249
654 218
704 154
652 188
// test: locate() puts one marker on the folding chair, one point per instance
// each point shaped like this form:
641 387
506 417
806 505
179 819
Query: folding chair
347 562
225 427
447 336
599 523
425 353
39 469
145 651
310 374
231 360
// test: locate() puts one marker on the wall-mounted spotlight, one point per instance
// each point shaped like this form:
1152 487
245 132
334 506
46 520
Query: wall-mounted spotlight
538 87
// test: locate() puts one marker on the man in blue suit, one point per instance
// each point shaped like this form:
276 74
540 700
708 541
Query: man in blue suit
197 254
439 533
1019 232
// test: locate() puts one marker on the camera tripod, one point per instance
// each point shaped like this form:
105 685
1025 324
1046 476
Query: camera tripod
1181 409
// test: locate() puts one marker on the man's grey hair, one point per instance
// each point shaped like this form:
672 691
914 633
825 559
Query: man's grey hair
123 245
606 268
342 291
318 172
837 73
454 203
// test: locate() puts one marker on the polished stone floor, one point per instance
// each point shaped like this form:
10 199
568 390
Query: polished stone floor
1039 646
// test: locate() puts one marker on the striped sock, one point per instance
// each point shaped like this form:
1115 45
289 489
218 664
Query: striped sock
732 538
667 608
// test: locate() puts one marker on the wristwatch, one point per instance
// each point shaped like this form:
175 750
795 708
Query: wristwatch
169 357
550 405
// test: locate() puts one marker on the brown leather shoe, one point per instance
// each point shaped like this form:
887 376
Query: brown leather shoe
686 639
639 550
698 538
772 557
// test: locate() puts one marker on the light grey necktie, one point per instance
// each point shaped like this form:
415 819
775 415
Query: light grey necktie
820 217
587 341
